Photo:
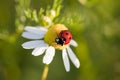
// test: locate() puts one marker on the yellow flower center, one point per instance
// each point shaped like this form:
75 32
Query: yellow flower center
52 34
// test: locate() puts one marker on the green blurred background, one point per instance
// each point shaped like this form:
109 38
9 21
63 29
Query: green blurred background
95 25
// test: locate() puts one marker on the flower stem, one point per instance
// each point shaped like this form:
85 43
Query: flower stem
45 72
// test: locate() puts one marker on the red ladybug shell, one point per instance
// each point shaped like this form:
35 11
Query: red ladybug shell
66 34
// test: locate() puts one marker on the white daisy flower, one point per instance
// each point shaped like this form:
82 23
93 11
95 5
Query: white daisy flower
43 41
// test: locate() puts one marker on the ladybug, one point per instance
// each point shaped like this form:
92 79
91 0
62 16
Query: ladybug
64 37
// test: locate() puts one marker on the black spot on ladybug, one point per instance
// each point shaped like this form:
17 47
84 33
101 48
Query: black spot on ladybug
70 38
66 33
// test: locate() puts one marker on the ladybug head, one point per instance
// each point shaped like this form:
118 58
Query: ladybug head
60 41
64 37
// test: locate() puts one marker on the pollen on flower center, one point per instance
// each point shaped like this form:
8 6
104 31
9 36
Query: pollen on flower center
52 34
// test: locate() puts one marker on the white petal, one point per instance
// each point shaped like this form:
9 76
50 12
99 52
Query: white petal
29 35
65 60
73 57
36 30
39 51
33 44
50 52
73 43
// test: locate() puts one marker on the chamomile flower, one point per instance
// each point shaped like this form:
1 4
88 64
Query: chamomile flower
44 40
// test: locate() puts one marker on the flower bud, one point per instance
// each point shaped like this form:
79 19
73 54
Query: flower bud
53 13
46 21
